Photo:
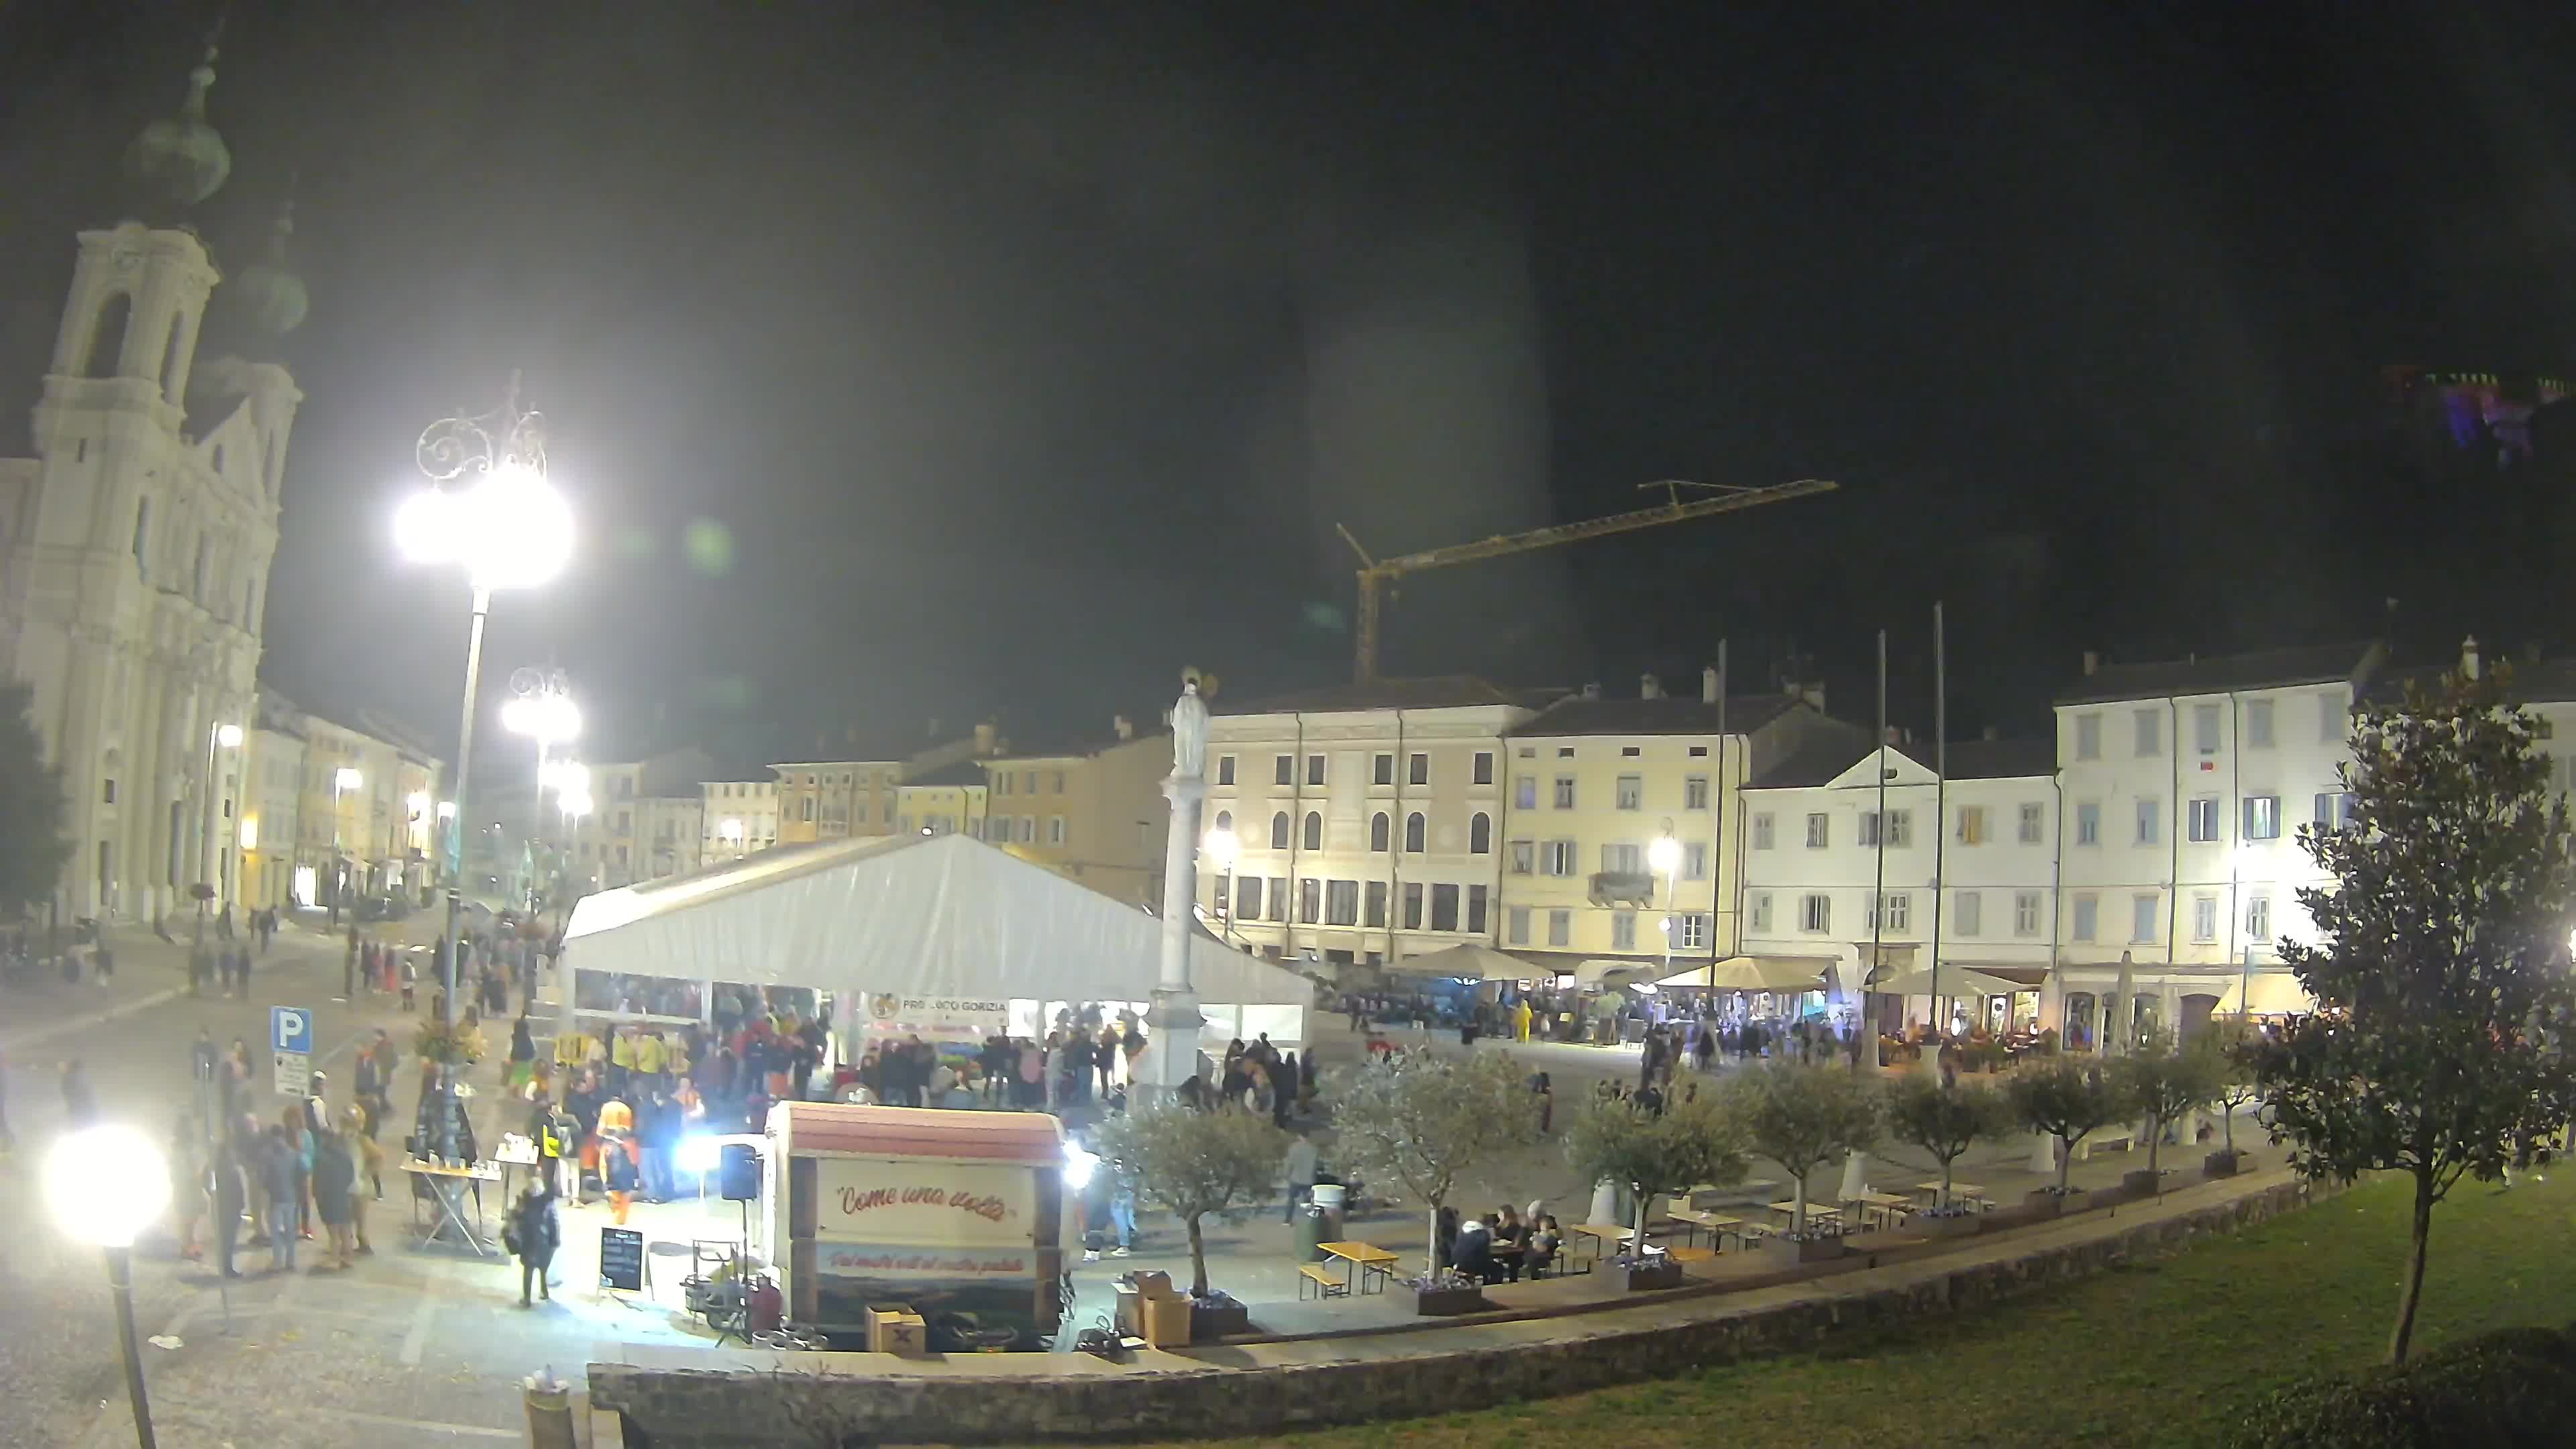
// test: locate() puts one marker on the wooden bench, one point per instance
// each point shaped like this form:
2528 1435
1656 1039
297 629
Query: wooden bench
1325 1284
1691 1255
2127 1137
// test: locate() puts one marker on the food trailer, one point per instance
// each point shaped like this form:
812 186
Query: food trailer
955 1215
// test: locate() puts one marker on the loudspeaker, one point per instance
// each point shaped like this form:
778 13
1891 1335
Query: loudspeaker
738 1173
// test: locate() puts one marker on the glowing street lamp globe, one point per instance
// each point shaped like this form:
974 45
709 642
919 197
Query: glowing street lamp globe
229 736
574 802
346 778
1665 855
508 527
1223 846
548 718
107 1183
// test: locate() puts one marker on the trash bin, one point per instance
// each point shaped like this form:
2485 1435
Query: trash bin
1323 1221
549 1403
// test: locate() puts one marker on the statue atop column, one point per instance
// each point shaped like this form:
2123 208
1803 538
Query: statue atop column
1189 731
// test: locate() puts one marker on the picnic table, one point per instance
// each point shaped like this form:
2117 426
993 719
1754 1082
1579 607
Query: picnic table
1815 1212
1368 1264
1887 1204
1604 1236
1968 1192
1701 1220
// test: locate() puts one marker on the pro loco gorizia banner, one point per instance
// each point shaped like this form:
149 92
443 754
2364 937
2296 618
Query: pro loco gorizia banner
932 1018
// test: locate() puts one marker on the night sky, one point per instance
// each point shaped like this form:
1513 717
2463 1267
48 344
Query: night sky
950 359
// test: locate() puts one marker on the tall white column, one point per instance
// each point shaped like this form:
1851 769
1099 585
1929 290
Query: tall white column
1173 1021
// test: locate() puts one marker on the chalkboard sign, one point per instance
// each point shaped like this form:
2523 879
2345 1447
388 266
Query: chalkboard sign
621 1258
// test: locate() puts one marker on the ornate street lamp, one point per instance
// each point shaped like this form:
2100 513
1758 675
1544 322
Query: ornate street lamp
105 1184
489 509
1223 847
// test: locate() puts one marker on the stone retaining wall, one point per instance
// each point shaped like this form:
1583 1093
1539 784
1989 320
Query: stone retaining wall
852 1399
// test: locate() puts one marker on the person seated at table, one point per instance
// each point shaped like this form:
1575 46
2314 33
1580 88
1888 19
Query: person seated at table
1510 1232
1543 1246
1472 1254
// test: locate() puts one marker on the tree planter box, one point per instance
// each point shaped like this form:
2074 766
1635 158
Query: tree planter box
1820 1250
2043 1203
1958 1227
1663 1273
2222 1163
1445 1302
2145 1182
1212 1319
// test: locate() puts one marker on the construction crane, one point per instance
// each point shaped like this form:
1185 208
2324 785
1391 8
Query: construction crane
1375 573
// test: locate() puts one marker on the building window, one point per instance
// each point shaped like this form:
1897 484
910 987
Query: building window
1002 782
1225 820
1444 908
1695 860
1314 769
1342 903
1816 913
1376 905
1418 770
1413 833
1819 831
1695 792
1762 831
1629 752
2336 810
1378 831
1632 792
2262 817
2204 728
1516 922
2088 822
1972 825
1695 932
1899 910
1968 913
805 811
2150 725
2088 737
107 793
2204 918
1758 908
2150 822
1565 792
1525 793
1055 782
1055 830
2201 821
1382 770
1279 898
2258 724
1484 768
1524 856
1279 831
1477 899
2331 720
1623 930
2258 919
1560 928
1310 900
2026 913
1028 830
2088 910
1556 857
1283 771
2032 816
1480 834
2142 918
1314 830
1623 858
1225 769
1248 897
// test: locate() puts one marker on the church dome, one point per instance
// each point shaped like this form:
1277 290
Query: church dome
180 160
268 293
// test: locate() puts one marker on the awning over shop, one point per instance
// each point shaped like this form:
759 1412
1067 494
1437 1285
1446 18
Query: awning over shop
1756 973
911 915
1955 981
1471 961
2265 993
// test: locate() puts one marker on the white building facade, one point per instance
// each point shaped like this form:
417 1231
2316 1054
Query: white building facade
740 817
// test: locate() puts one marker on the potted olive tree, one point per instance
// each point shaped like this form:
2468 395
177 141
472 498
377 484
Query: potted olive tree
1192 1164
1945 1121
2068 1100
2230 1047
1803 1117
2165 1083
1688 1143
1422 1121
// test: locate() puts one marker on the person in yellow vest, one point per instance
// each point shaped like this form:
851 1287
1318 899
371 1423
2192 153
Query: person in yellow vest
621 1060
1521 1019
649 1057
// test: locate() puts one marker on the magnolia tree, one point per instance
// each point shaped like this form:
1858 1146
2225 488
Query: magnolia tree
2164 1083
1423 1120
2068 1100
1945 1121
1803 1117
1611 1139
2440 1045
1192 1164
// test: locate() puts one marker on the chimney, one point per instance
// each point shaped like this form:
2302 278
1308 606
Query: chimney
1649 687
1708 685
984 738
2092 662
1592 691
1125 727
2469 657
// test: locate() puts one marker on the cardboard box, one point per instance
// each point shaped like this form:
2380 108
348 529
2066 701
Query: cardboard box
1167 1322
895 1328
1154 1284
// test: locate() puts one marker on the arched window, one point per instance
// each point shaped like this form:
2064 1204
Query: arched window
1413 832
1378 831
1279 831
1480 835
1314 830
1225 820
107 337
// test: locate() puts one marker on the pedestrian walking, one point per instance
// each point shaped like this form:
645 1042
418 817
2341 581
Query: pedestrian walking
335 1181
410 980
280 1166
532 1234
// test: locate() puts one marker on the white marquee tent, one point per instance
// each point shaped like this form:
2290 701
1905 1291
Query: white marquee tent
910 916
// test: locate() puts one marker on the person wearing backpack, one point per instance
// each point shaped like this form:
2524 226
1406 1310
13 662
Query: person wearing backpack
532 1235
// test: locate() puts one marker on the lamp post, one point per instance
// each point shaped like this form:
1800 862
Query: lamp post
1221 847
1664 857
105 1184
489 509
343 780
541 709
574 801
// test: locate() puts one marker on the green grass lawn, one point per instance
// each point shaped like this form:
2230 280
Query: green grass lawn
2169 1352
